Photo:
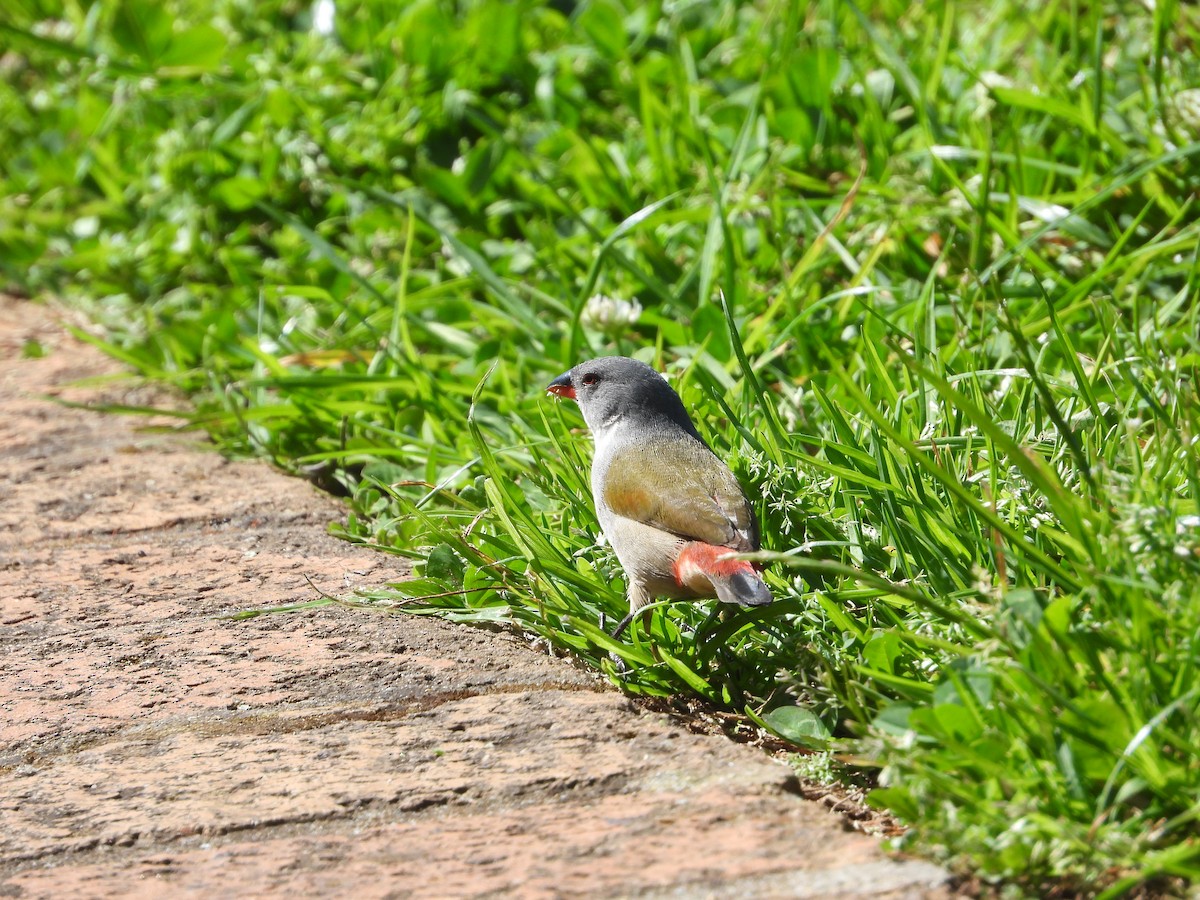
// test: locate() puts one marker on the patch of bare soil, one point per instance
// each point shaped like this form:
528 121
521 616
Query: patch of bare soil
151 746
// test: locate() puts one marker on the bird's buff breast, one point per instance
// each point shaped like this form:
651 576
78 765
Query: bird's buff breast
647 554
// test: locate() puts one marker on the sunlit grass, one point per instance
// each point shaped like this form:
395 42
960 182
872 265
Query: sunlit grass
926 275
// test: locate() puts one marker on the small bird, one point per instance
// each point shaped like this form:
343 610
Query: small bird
671 509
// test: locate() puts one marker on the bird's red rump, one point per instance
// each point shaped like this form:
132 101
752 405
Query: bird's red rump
698 557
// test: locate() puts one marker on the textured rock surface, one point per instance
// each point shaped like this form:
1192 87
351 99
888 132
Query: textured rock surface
150 744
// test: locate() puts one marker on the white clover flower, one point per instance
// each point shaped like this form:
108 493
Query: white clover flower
609 314
322 16
85 227
55 29
183 240
1070 263
1040 519
1187 108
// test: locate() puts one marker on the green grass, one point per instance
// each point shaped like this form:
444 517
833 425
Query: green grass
927 275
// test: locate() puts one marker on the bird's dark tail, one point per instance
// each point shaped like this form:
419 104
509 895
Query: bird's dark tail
745 588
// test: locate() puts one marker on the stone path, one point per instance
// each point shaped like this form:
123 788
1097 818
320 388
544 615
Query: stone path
152 746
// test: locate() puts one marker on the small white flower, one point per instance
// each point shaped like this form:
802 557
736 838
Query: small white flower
609 314
183 240
882 84
85 226
55 29
1187 108
322 16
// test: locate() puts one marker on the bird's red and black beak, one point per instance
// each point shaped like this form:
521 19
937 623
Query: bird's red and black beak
562 387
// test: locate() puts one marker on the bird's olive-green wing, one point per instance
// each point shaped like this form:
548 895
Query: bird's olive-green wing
681 487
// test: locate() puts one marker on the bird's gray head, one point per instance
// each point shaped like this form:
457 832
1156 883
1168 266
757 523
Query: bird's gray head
616 389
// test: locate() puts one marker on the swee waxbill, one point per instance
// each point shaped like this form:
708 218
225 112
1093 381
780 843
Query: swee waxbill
671 509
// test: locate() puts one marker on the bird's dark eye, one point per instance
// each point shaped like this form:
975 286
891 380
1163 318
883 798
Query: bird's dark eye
590 378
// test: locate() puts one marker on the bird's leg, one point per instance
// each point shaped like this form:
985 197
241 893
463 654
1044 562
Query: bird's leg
637 599
623 624
713 613
728 663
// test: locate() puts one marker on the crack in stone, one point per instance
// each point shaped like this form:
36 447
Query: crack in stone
261 724
132 844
